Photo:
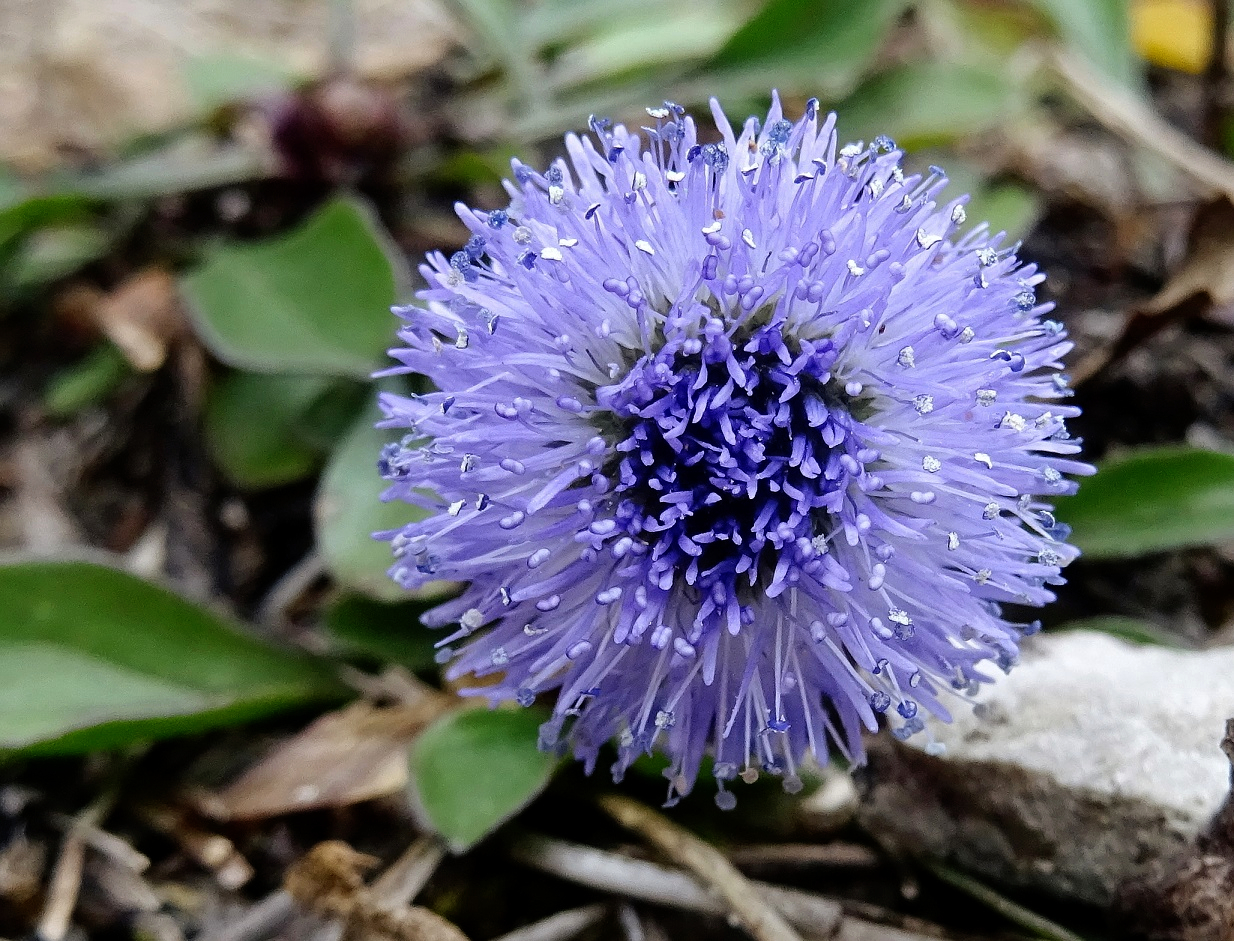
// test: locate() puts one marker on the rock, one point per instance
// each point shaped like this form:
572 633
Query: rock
1090 761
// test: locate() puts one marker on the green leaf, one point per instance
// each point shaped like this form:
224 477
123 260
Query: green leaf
55 252
349 509
1153 500
86 383
216 80
928 103
474 769
1007 207
252 427
93 658
1132 629
389 633
187 165
315 301
12 189
24 217
830 41
1099 30
642 42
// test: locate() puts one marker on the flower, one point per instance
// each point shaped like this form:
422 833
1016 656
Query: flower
737 445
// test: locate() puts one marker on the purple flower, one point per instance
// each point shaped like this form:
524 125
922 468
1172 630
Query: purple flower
738 445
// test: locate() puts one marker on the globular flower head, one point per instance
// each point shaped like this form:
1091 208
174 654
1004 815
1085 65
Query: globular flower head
738 445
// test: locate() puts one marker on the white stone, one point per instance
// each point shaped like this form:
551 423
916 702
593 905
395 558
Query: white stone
1092 757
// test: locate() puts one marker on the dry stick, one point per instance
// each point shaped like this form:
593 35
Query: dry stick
1134 120
649 882
66 878
396 887
801 855
287 590
115 848
1017 914
559 927
706 862
259 922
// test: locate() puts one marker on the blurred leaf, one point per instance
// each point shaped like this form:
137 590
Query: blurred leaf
185 166
314 301
349 509
216 80
1176 34
1153 500
24 217
667 39
1007 207
1099 30
832 40
252 426
333 413
555 23
497 25
474 168
87 382
474 769
12 189
54 252
1130 629
983 33
93 658
928 103
390 633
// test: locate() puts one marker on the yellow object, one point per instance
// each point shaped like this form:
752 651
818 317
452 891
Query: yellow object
1177 34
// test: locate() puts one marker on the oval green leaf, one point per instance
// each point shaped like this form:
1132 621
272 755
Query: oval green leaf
94 658
474 769
830 41
923 104
1153 500
314 301
349 509
252 427
389 633
1099 30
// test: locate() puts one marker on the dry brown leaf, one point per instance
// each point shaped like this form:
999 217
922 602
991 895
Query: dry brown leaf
345 757
142 317
329 881
1204 281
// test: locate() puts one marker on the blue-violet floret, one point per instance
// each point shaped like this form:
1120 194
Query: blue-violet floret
738 445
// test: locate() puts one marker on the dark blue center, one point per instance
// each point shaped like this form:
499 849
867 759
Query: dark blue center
737 455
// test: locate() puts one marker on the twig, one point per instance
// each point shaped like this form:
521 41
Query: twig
1015 913
66 878
631 924
259 922
288 589
814 915
559 927
209 850
800 855
1133 119
398 886
115 848
649 882
706 862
